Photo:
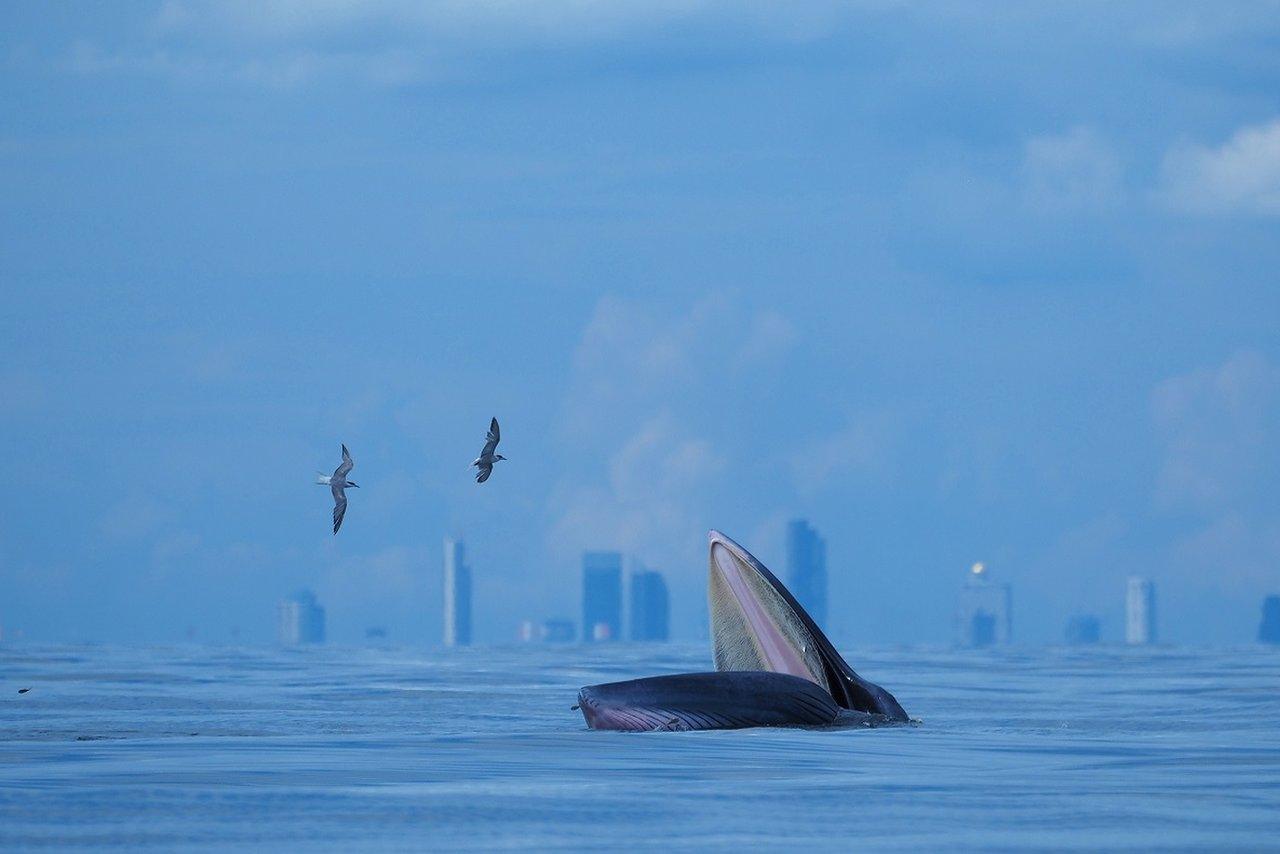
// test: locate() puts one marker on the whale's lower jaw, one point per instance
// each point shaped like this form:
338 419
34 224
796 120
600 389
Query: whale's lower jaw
697 701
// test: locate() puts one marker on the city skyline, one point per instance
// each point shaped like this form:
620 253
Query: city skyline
924 278
610 579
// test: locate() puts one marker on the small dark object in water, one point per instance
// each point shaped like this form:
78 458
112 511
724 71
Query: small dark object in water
23 690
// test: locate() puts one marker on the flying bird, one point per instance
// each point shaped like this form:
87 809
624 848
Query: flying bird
338 483
487 457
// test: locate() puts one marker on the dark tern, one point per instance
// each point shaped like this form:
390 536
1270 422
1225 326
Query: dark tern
338 483
487 457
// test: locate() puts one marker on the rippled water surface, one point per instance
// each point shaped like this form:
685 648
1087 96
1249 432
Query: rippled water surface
342 748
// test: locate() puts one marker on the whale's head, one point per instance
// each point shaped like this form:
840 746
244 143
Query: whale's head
756 624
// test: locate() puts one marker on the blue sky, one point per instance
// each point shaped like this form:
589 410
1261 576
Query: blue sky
954 283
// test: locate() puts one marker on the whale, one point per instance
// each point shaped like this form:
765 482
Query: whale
773 666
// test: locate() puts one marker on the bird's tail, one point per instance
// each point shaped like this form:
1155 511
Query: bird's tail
322 479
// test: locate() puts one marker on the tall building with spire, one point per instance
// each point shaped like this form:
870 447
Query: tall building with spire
601 596
985 613
1140 611
807 569
457 595
650 606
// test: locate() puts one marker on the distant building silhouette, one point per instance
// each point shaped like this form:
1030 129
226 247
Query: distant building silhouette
558 631
601 596
300 619
1140 611
1269 629
985 613
807 569
1083 629
650 606
549 631
457 595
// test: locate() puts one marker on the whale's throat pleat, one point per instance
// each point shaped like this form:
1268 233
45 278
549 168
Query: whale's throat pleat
753 627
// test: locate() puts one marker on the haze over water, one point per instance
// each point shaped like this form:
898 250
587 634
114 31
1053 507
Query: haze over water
397 748
955 283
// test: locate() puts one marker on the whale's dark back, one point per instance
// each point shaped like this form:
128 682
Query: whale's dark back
717 700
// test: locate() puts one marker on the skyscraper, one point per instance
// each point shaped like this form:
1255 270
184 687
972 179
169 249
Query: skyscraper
985 613
1083 629
807 569
1140 611
457 595
650 606
557 630
300 619
601 596
1269 629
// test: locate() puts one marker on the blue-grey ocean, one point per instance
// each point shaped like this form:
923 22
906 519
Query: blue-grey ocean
356 748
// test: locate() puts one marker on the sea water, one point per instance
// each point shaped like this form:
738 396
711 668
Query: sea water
356 748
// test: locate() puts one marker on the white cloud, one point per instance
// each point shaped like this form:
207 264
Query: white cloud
278 69
1240 176
1219 426
290 44
862 446
631 361
555 21
1077 170
1221 461
645 506
769 338
641 416
1232 551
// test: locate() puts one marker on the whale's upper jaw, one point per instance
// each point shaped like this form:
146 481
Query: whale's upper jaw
753 627
756 624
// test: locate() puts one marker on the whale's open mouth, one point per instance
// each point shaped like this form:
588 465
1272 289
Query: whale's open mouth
756 624
774 667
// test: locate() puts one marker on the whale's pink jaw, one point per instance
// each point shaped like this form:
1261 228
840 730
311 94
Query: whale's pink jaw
756 624
752 626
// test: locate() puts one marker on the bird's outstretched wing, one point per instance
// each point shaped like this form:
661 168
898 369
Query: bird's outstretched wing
483 474
339 507
340 472
491 440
